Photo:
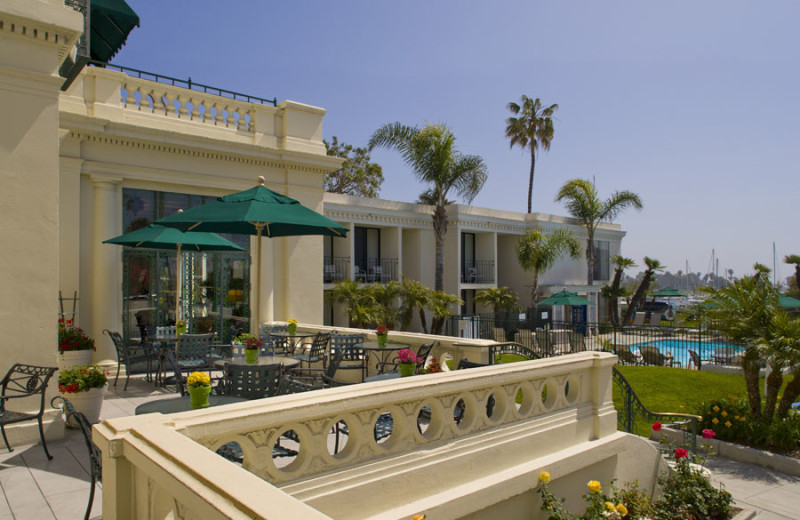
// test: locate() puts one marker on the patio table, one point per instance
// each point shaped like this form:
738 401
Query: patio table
262 361
182 404
381 354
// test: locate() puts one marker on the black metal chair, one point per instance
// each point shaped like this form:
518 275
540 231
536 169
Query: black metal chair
251 381
353 357
177 378
652 356
465 363
315 352
322 378
510 348
274 344
19 382
131 354
74 417
422 354
194 352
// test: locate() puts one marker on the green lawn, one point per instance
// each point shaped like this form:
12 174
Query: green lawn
675 390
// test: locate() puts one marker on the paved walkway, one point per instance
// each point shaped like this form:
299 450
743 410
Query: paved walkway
37 489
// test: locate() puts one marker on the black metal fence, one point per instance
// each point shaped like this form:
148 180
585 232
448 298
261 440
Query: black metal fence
640 344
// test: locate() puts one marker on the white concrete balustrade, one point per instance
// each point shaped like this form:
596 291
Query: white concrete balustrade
517 420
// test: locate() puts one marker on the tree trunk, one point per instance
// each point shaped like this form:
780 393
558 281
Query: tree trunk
534 288
423 320
790 394
590 260
530 181
751 369
638 296
440 232
797 276
774 383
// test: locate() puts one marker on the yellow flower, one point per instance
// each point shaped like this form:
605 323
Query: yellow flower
742 418
728 424
715 420
716 408
724 413
735 417
594 486
418 517
609 507
196 379
621 509
293 321
544 477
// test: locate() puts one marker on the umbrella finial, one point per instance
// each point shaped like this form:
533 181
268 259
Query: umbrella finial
261 180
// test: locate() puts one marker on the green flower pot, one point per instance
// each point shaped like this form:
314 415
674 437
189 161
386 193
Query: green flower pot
199 396
407 369
382 339
251 356
292 329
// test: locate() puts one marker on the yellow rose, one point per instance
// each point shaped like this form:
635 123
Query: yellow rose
621 509
724 413
715 420
716 408
594 486
728 424
544 477
742 419
609 507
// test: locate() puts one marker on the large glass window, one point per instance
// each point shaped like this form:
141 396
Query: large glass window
468 271
367 249
215 287
601 260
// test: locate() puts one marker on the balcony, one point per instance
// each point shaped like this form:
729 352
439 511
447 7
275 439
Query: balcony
335 269
380 270
481 271
486 458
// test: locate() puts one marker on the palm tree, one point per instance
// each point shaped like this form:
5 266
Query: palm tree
359 302
431 154
440 305
413 295
614 291
653 266
533 129
794 259
582 202
386 296
498 298
537 252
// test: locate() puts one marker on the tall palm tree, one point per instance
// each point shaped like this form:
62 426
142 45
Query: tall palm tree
498 298
431 154
537 252
582 202
653 267
794 259
413 295
533 129
614 291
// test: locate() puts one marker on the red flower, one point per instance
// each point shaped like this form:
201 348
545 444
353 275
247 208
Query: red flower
680 453
708 434
656 426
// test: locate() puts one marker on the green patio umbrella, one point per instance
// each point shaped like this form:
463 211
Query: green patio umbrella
565 297
160 237
669 292
257 211
787 302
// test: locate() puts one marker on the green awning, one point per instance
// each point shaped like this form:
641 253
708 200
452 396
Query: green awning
111 23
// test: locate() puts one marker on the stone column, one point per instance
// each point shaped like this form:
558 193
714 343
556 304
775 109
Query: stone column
106 267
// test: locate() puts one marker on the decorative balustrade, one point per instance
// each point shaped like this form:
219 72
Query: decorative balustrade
427 413
157 98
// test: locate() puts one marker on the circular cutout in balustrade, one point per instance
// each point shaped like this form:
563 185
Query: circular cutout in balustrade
525 399
231 451
384 427
431 419
424 419
572 389
549 394
338 436
286 449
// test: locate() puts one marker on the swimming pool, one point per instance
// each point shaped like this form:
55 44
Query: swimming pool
679 348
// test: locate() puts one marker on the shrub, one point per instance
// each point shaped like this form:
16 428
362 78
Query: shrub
81 379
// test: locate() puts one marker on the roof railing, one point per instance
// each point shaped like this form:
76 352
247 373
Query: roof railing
189 84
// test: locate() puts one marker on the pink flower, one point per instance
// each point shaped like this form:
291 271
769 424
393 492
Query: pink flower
656 426
708 434
680 453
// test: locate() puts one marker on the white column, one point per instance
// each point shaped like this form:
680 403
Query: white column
106 263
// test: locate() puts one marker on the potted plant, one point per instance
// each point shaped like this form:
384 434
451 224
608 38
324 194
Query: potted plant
292 327
180 327
407 361
84 386
382 333
252 346
199 385
74 345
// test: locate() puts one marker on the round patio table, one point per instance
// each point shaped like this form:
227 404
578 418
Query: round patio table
182 404
381 354
263 361
293 339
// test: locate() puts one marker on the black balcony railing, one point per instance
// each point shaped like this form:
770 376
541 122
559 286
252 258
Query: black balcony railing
379 270
335 269
481 271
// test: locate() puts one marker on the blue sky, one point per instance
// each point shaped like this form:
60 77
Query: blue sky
695 106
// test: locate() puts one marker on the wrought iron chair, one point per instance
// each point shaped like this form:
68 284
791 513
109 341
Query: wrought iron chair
652 356
352 354
19 382
315 352
95 458
465 364
322 378
129 355
422 354
510 348
251 381
177 378
626 357
194 352
273 344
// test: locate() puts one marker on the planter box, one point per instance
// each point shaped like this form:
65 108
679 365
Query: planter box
70 358
89 403
729 450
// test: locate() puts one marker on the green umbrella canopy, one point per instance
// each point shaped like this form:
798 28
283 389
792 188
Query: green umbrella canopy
669 292
160 237
565 297
244 212
787 302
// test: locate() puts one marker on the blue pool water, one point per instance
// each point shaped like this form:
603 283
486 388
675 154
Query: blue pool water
680 348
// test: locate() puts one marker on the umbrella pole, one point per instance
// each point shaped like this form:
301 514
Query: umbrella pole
178 288
257 292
